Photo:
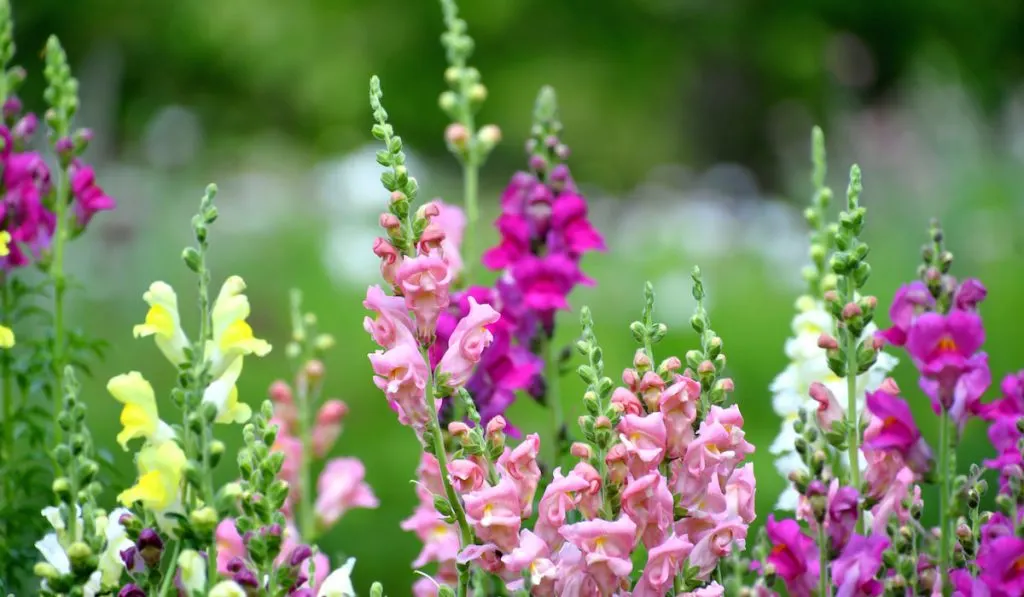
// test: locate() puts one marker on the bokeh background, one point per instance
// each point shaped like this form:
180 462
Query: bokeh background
689 122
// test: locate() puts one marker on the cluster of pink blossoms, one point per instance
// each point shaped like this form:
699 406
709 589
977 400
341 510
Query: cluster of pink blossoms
27 207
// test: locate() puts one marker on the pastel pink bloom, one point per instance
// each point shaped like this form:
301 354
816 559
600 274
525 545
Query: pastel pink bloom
649 389
390 260
627 402
712 590
402 374
495 514
891 503
678 403
740 490
424 281
606 547
428 586
532 556
486 556
720 444
429 474
328 426
340 488
882 467
280 394
449 222
520 466
590 498
616 460
573 577
467 343
794 556
560 497
392 326
648 503
644 439
229 544
291 447
664 562
690 487
732 421
440 539
466 475
717 544
829 411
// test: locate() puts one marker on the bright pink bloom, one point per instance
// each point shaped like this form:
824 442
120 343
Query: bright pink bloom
969 294
829 410
467 343
560 497
424 281
571 231
392 325
856 572
466 475
678 403
328 426
910 301
402 374
229 544
648 503
440 539
340 488
1001 562
520 466
547 281
606 547
896 430
644 439
663 564
842 514
89 198
495 514
390 260
794 556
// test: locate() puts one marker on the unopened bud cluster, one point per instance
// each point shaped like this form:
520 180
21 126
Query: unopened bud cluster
707 364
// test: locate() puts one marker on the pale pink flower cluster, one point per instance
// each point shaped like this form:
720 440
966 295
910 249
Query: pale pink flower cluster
406 321
684 496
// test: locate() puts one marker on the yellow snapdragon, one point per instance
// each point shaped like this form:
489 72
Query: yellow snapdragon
232 336
223 393
139 416
161 468
6 334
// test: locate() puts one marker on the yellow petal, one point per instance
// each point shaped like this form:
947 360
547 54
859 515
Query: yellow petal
5 241
234 411
137 423
238 339
139 417
151 490
163 322
6 337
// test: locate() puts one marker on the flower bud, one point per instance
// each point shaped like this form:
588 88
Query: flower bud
669 366
489 135
581 450
204 520
448 101
456 135
641 360
459 429
281 392
314 370
477 93
46 570
827 342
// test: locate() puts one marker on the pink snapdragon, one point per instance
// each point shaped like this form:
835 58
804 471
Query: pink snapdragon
327 427
829 410
648 503
644 438
664 562
467 343
89 198
606 547
495 514
440 539
424 282
794 556
561 496
402 374
893 429
856 572
533 557
678 404
341 487
465 475
519 465
392 326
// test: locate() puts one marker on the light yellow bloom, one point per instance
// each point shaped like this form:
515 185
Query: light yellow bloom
163 322
193 572
139 417
223 393
5 241
227 588
110 565
339 582
6 337
161 467
232 336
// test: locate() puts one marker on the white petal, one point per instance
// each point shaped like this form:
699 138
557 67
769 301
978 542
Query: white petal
53 552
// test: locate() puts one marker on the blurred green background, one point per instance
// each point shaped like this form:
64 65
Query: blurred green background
689 121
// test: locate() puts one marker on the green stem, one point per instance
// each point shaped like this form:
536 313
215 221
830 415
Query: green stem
944 494
825 587
7 303
470 184
553 397
172 566
851 406
437 445
306 521
59 287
